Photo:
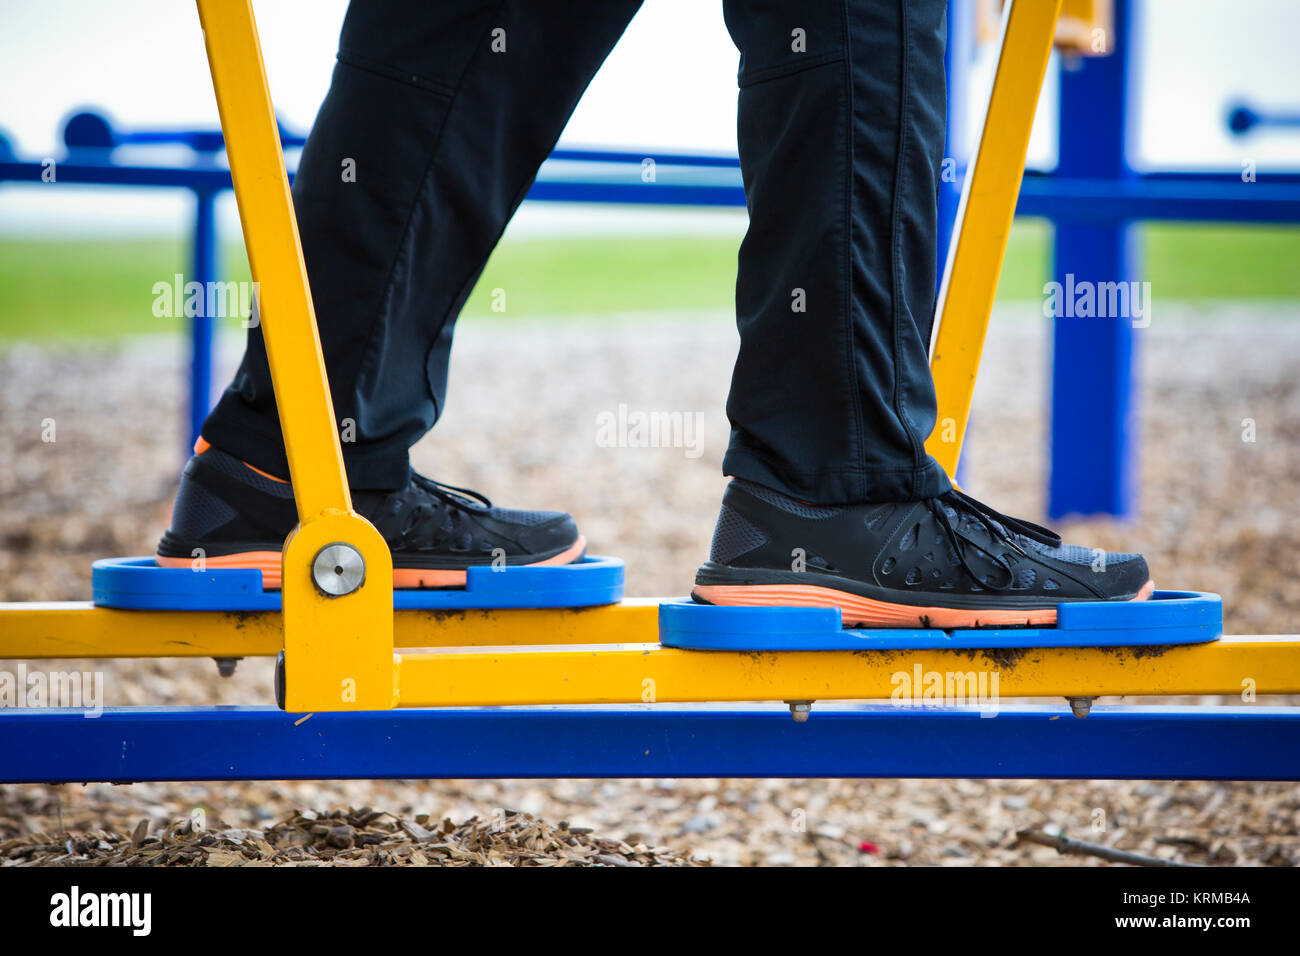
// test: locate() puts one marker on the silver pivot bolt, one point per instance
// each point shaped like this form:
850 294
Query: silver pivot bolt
800 709
1081 706
226 665
338 569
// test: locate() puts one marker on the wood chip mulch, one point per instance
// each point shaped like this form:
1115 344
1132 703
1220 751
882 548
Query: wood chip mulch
355 837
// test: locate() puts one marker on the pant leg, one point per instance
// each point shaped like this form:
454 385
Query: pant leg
444 110
841 130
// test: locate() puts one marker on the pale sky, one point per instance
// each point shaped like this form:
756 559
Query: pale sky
670 84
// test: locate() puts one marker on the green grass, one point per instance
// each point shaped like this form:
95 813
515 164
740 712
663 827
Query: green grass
86 289
71 290
606 275
1226 262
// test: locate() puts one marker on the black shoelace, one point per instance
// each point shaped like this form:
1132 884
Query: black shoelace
436 525
1001 529
459 498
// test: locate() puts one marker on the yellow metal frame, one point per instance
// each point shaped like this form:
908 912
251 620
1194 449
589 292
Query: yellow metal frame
340 652
1074 28
78 629
611 655
988 204
338 649
650 673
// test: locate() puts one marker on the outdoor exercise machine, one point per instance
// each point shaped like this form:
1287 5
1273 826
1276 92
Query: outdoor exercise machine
1092 198
542 672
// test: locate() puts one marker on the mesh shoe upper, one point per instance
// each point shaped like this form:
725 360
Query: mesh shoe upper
946 548
225 507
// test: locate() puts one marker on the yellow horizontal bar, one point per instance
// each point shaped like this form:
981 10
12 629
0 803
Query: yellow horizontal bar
655 674
549 670
79 629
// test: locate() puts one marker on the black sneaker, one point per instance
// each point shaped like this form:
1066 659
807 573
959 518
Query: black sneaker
235 516
943 562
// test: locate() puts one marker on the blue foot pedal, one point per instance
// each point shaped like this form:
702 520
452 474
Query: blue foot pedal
139 584
1169 617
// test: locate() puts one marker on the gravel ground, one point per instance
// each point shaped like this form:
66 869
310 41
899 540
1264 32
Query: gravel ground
1217 514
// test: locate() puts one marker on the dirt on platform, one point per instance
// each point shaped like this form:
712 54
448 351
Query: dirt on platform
93 444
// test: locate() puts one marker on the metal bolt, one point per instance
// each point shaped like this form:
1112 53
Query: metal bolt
1081 706
800 709
338 569
226 665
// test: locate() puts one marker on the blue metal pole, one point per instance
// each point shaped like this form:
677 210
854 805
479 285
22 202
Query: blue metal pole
124 745
1169 196
1093 462
1242 119
203 269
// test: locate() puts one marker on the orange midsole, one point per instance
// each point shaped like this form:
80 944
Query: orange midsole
268 562
858 611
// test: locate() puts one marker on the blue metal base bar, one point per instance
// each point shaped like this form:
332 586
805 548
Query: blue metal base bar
261 743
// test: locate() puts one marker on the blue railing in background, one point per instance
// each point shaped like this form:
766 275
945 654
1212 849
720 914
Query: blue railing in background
1093 198
90 140
1242 119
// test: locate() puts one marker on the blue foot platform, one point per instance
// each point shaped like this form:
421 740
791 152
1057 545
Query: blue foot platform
139 584
1169 617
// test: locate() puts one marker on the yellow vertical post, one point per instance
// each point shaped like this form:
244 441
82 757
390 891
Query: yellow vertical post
988 204
337 570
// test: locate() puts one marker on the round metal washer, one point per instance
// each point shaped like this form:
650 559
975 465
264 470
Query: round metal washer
338 569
